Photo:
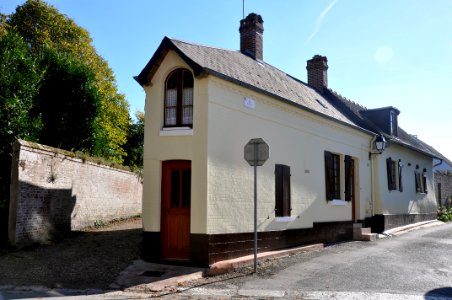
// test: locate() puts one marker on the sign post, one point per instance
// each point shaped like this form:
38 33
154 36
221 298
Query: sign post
256 153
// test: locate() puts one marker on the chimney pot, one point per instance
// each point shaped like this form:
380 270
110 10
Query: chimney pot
251 36
317 72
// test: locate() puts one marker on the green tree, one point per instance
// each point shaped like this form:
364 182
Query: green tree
67 103
20 78
135 142
42 26
19 81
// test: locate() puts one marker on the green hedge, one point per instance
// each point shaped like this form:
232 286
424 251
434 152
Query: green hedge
445 214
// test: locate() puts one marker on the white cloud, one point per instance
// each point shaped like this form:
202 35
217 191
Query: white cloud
320 18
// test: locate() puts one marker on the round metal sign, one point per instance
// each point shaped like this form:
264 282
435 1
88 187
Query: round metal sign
256 152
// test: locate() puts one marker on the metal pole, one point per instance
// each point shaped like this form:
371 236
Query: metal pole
255 208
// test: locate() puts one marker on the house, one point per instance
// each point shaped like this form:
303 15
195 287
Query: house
332 162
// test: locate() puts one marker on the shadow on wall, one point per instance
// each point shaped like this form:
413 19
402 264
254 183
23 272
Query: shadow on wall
39 215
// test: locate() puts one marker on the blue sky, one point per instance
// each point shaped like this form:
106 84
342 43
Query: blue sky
380 53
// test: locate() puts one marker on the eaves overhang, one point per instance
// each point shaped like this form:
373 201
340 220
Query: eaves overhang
148 72
404 144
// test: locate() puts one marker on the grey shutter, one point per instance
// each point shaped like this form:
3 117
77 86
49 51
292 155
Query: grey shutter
400 175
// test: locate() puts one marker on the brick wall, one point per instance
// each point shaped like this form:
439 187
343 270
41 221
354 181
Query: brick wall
443 188
53 192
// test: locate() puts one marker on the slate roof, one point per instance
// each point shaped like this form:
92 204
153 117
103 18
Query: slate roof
354 112
257 75
245 71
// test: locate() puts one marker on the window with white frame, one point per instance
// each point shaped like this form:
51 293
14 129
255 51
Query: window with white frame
178 108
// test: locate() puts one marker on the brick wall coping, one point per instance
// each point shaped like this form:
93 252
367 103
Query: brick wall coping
83 158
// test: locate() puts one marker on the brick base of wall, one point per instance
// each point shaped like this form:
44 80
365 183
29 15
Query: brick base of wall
381 223
207 249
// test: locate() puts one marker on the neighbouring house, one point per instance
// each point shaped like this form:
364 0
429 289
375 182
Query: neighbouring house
332 162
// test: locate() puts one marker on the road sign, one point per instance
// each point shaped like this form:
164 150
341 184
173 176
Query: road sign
256 152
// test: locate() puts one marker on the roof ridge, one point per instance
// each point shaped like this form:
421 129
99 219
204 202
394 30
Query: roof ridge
200 45
346 99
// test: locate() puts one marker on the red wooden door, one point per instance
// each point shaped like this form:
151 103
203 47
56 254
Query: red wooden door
175 216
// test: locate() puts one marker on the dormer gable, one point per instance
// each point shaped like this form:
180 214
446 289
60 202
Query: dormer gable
384 118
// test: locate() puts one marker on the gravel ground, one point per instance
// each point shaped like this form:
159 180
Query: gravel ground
83 260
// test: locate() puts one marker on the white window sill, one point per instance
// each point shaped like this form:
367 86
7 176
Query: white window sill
283 219
176 131
337 202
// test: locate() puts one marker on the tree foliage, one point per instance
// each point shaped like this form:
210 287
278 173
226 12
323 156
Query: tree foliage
55 89
135 142
67 103
43 27
20 78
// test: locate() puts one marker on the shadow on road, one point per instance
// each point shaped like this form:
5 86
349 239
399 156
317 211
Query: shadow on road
440 293
82 260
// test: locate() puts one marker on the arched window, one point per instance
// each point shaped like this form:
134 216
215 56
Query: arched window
179 99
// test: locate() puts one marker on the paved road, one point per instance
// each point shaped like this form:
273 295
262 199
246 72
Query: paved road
416 265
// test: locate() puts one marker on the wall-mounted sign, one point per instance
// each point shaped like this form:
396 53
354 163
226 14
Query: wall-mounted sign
249 103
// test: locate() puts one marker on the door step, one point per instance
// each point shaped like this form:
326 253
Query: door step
363 234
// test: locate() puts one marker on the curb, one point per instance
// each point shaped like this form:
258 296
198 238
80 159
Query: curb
225 266
407 228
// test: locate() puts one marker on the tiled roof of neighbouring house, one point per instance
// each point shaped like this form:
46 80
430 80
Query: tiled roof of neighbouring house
245 71
354 112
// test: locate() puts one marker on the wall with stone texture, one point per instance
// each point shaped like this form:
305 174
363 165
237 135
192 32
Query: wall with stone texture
443 188
53 192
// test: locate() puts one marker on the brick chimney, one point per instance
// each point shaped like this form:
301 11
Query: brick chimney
251 38
317 72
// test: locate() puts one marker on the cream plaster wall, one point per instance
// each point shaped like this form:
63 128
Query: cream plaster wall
408 201
160 145
297 139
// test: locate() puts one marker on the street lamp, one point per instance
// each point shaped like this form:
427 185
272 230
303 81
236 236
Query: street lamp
380 143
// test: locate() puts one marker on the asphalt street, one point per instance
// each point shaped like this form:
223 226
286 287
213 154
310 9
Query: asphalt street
415 265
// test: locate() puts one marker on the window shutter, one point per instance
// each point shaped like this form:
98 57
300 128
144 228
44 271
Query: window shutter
400 175
424 182
282 190
348 177
329 176
286 191
417 179
390 171
278 190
